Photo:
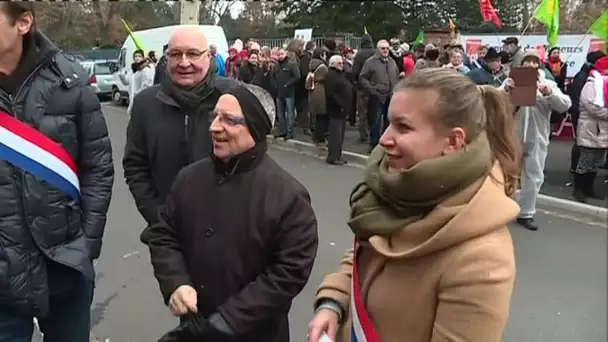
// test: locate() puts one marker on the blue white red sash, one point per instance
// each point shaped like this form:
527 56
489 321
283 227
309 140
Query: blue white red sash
28 149
363 329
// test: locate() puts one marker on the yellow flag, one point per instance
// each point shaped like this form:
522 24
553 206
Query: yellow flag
452 25
364 29
138 45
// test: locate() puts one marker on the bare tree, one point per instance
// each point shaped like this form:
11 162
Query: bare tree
211 12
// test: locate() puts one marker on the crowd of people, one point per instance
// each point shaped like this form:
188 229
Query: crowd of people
232 236
359 85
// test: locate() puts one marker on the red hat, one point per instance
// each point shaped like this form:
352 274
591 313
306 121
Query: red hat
347 50
601 65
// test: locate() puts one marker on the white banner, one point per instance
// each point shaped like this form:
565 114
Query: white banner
575 47
304 34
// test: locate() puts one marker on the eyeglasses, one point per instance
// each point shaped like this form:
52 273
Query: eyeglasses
191 55
227 119
384 48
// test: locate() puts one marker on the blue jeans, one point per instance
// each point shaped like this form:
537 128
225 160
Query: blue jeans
286 113
377 119
68 319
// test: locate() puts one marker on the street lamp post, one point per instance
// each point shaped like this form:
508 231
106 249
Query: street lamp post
189 12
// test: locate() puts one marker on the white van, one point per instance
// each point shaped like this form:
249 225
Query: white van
154 40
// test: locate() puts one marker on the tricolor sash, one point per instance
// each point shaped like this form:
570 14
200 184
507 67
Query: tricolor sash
363 329
28 149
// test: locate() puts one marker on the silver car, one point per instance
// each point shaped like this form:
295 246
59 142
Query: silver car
100 73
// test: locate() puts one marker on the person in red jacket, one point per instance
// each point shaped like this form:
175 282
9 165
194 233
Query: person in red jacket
408 64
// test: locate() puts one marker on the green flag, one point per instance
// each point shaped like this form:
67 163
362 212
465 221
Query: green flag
548 14
420 37
600 28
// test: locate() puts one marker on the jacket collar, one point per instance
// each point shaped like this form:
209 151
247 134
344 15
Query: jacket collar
241 163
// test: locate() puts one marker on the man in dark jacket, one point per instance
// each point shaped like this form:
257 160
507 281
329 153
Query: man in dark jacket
303 113
378 78
491 72
250 71
161 66
338 93
229 260
286 75
56 177
366 51
169 122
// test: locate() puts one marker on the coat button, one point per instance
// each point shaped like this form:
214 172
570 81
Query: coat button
209 232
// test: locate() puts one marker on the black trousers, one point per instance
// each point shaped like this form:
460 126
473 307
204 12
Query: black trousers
321 128
337 128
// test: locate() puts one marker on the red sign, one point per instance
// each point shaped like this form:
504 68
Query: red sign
472 47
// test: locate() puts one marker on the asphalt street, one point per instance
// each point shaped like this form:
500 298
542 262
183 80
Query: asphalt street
560 294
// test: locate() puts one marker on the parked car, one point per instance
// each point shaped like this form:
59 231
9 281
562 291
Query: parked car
100 73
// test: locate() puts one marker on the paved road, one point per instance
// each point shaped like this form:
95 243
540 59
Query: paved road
557 177
560 294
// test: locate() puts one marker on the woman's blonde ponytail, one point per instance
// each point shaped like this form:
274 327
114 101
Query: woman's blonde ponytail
500 128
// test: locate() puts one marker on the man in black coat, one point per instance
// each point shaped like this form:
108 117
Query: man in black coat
56 177
366 51
169 122
237 238
161 66
338 93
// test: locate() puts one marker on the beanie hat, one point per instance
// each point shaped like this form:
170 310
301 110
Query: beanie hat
592 57
492 54
531 53
258 108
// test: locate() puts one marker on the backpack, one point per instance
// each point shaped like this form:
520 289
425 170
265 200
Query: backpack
309 83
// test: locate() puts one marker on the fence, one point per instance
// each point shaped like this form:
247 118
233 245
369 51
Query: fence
353 42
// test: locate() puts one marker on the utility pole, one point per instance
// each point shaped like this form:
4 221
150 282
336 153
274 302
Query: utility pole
188 14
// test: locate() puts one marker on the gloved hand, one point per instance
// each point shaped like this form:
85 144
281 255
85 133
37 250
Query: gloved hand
189 330
216 329
195 328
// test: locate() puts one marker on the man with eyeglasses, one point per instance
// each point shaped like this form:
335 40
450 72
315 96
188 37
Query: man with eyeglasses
237 238
378 77
169 124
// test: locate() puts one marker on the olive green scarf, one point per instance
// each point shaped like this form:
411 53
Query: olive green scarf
387 202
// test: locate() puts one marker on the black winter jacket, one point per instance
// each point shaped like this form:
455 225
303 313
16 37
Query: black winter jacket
286 75
338 93
37 221
367 50
159 72
244 235
162 138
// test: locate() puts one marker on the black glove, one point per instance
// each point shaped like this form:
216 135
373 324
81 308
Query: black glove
195 328
216 329
189 330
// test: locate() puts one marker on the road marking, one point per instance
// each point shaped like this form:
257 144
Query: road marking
130 254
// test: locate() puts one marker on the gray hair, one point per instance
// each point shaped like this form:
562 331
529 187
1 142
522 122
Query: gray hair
334 60
382 42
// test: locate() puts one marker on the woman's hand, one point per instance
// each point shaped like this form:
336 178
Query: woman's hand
325 321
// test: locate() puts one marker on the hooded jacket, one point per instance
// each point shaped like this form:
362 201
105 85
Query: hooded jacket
366 51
